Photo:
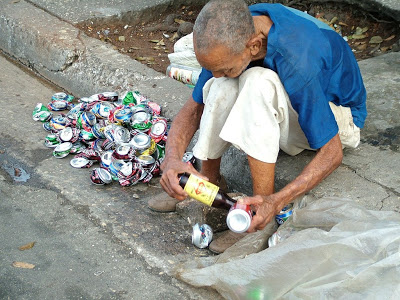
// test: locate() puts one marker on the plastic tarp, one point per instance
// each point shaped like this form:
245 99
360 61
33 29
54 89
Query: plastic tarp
330 249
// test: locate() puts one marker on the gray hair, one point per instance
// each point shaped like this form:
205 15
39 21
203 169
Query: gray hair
223 22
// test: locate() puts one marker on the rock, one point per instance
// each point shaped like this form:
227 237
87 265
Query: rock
185 28
197 212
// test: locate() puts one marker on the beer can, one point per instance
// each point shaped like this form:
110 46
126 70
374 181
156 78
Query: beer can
284 214
202 235
239 217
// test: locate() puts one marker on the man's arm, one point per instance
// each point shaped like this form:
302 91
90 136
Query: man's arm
326 160
182 130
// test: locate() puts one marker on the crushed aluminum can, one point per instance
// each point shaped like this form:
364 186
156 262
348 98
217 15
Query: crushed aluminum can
90 154
106 158
108 96
284 214
150 150
43 116
86 135
97 131
121 135
38 109
62 96
145 160
158 129
115 167
81 162
141 142
131 179
62 150
74 113
107 144
100 176
58 122
51 141
124 152
123 115
141 117
189 158
202 235
66 134
77 147
156 109
57 105
46 126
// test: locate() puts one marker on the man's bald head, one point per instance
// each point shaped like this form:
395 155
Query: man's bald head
223 22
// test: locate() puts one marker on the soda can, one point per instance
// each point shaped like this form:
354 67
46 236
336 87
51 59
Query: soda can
155 107
284 214
124 152
98 131
158 129
100 176
46 126
202 235
239 217
38 108
58 105
150 150
106 158
66 134
81 162
141 142
62 150
123 115
43 116
189 158
62 96
77 147
141 117
108 96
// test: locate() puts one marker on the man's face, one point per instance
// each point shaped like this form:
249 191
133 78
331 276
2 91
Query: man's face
223 64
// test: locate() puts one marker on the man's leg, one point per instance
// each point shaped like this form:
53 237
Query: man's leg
263 176
219 97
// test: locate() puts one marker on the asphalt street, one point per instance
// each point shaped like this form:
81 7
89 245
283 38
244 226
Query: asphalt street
74 257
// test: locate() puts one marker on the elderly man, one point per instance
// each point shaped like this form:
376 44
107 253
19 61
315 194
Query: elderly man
273 78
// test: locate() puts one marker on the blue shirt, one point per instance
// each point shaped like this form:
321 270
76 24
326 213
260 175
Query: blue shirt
316 66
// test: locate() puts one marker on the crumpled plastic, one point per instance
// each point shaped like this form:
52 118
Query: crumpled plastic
332 248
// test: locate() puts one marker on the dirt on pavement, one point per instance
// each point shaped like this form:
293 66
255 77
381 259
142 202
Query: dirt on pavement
150 43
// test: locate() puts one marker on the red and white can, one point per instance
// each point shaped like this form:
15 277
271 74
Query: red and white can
239 217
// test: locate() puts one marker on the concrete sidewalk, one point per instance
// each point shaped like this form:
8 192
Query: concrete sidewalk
41 35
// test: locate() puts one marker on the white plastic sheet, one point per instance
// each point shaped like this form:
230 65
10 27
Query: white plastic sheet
334 249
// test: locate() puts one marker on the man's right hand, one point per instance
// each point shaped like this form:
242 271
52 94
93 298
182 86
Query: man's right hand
169 180
182 130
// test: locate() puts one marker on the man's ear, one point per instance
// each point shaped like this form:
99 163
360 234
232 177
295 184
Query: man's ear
254 44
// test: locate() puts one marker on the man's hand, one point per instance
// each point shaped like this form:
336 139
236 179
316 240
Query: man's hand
182 130
265 207
169 180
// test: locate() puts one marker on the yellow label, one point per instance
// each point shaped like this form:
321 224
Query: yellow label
201 190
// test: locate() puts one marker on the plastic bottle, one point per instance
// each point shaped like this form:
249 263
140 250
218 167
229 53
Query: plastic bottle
185 74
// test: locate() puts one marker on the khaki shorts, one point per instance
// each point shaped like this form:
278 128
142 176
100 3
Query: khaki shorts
253 112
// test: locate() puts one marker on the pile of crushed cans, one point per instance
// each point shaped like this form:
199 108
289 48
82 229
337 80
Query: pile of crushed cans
126 136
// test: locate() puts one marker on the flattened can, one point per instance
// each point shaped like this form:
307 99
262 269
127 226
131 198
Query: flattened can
284 214
202 235
239 217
